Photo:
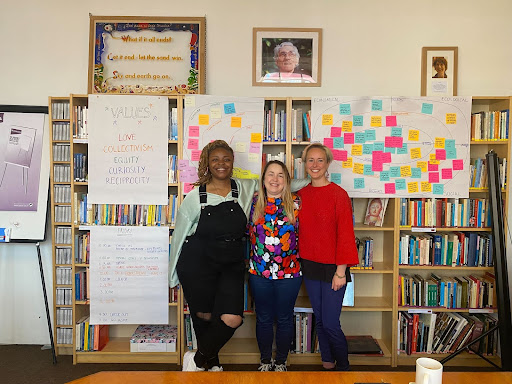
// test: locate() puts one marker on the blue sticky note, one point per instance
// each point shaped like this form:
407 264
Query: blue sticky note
427 108
399 184
438 189
451 153
416 173
357 121
378 146
449 143
360 137
344 109
384 176
368 170
229 108
390 149
396 131
336 178
394 171
367 149
359 183
338 142
403 150
376 105
370 135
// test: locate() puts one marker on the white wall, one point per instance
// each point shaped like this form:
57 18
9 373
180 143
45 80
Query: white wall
370 47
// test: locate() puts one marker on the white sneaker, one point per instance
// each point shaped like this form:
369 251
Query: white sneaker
266 367
280 367
216 368
189 365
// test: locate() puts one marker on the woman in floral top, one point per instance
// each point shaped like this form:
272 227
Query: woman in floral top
274 266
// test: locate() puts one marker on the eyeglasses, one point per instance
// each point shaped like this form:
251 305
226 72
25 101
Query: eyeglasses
289 54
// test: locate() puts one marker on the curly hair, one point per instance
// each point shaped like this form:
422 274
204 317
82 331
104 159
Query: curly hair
441 60
203 172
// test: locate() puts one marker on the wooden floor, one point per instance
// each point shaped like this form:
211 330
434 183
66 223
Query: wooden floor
285 377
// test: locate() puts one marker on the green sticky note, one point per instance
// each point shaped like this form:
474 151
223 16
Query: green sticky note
403 150
360 137
344 109
376 105
451 153
357 121
390 149
416 173
399 184
394 171
396 131
449 143
367 149
370 134
336 178
438 189
384 176
378 146
427 108
359 183
368 170
338 142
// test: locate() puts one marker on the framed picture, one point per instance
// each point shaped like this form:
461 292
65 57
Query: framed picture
147 55
287 57
375 211
439 71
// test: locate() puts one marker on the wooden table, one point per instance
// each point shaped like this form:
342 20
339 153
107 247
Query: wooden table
151 377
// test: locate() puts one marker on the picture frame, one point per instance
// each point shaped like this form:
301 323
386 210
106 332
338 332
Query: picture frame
147 55
299 64
443 81
375 211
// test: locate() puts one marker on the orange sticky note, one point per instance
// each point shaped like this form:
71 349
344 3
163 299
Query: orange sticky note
346 126
348 163
255 137
204 119
236 122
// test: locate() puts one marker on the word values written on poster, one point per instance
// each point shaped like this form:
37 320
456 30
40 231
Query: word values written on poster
129 275
396 146
128 149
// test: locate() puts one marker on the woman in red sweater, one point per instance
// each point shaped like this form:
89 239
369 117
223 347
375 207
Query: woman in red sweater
327 248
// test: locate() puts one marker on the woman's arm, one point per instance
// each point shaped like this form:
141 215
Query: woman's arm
297 184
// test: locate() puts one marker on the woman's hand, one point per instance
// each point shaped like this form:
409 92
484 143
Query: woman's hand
338 281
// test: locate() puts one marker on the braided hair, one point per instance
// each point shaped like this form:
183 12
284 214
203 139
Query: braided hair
203 172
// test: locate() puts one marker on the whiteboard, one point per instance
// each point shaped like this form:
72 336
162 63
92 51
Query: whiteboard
24 171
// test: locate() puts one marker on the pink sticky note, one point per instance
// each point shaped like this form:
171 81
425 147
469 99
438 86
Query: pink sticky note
393 142
390 121
339 155
195 156
182 164
187 187
389 188
433 177
458 165
440 154
349 138
193 144
433 167
335 131
446 173
377 161
254 147
193 131
386 157
329 142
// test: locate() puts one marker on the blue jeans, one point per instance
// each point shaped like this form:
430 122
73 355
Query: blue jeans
326 305
274 300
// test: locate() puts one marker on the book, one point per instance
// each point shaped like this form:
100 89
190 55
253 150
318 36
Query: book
363 345
375 212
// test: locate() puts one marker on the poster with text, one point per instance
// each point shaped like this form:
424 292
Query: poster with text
396 146
129 269
128 149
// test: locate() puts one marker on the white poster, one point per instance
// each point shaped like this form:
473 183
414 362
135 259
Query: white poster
128 149
396 146
237 120
129 269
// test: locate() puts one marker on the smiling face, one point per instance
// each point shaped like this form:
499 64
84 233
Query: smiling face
220 163
287 59
316 164
440 67
274 180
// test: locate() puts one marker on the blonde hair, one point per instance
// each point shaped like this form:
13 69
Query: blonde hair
286 195
328 154
203 172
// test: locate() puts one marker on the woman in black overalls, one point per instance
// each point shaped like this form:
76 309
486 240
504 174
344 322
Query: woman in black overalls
211 263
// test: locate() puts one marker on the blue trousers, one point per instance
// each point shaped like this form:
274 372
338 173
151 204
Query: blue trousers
326 305
274 301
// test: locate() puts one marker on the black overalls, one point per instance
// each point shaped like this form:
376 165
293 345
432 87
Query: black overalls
211 265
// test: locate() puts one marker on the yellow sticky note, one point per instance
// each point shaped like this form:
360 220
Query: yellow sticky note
412 187
405 171
204 119
190 101
348 163
451 118
240 147
215 112
426 186
415 153
359 168
433 159
414 135
236 122
439 142
255 137
376 121
357 150
326 119
346 126
423 165
254 157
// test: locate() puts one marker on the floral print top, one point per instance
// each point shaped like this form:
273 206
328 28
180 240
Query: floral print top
274 242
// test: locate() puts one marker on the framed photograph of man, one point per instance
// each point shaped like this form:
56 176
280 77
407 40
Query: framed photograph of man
284 57
439 71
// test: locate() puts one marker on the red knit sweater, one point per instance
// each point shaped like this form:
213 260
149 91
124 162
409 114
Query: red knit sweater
326 231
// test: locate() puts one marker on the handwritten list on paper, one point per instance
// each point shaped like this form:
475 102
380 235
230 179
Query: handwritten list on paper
129 275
